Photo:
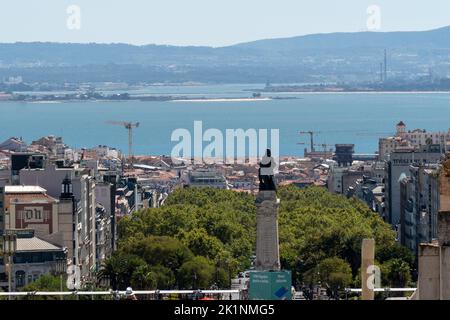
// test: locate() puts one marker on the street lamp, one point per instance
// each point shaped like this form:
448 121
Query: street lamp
228 262
194 281
9 248
61 269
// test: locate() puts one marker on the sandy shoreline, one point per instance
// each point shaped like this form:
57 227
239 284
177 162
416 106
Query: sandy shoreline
358 92
237 99
222 100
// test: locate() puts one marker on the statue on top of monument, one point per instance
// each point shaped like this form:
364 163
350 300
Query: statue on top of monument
266 172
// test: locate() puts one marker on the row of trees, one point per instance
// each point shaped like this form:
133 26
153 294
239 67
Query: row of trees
321 235
203 237
199 239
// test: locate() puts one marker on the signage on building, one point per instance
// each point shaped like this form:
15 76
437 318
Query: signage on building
33 214
38 217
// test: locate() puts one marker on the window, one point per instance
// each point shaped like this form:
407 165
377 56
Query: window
20 278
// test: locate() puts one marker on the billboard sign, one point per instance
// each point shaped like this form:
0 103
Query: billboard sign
270 285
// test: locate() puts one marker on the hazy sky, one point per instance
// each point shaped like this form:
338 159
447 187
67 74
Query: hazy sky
207 22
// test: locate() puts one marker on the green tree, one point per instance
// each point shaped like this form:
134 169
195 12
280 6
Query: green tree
315 224
143 278
395 251
227 217
165 277
395 273
46 282
336 274
120 268
201 243
197 273
220 226
158 250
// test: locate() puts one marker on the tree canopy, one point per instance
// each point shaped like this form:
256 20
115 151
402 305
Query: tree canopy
202 237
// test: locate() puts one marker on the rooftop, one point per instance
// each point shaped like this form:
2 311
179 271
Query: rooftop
24 189
35 244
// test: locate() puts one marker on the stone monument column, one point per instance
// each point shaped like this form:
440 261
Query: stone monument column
267 245
268 282
367 263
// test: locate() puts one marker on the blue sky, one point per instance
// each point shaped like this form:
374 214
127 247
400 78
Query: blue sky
207 22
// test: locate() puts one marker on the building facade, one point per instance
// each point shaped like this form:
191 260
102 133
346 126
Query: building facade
33 258
419 206
411 138
206 178
78 212
397 168
29 207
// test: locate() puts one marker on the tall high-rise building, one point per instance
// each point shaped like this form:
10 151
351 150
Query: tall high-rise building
398 168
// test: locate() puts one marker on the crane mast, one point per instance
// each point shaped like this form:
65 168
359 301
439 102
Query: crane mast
129 126
311 136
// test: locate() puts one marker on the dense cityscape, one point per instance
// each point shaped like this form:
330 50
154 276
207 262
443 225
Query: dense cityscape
77 210
213 159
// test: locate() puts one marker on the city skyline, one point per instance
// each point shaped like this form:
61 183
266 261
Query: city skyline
224 150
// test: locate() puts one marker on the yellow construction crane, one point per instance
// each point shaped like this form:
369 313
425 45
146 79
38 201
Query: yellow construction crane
129 126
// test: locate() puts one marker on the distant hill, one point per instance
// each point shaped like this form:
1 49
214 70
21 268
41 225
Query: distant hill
433 39
319 57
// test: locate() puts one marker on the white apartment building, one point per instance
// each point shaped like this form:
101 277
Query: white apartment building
415 138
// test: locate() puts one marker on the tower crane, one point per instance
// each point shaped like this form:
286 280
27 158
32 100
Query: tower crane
311 134
129 126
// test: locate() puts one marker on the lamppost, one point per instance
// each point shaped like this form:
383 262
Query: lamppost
194 281
9 248
228 262
217 271
61 269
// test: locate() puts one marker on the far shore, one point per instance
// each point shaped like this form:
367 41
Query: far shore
356 92
222 99
281 95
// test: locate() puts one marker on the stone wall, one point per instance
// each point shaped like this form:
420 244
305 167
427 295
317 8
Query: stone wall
444 228
444 185
434 264
429 277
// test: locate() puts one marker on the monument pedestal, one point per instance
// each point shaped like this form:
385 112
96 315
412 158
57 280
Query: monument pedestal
268 282
267 245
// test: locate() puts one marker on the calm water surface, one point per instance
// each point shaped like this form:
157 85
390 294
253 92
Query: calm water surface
357 118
